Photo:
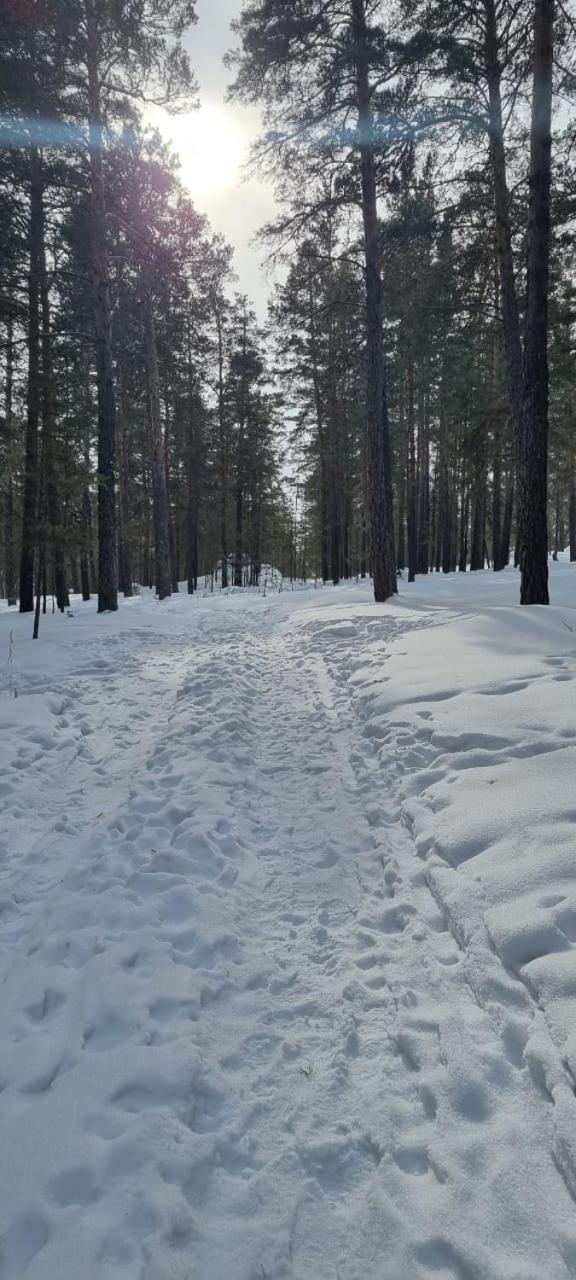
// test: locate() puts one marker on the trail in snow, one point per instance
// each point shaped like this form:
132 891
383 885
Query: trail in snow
239 1038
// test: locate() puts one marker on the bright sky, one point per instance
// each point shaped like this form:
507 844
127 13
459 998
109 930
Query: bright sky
213 146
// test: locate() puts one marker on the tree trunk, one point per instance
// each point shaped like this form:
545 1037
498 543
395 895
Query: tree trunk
223 458
533 494
172 540
412 497
497 504
507 521
51 480
464 522
9 548
192 513
40 586
423 557
378 442
192 528
107 550
163 573
557 520
320 428
30 497
125 572
238 554
508 294
401 554
572 509
86 524
478 537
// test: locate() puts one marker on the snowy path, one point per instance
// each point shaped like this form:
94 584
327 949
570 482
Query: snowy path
239 1042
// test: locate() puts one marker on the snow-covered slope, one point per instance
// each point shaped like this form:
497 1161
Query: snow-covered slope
287 925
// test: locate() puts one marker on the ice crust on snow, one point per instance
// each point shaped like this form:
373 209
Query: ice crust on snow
287 937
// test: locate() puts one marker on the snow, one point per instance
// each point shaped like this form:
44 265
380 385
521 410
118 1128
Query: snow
288 916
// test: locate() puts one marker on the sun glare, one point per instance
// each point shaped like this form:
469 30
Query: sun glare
209 146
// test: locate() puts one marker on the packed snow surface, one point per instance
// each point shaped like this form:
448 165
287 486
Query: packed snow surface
287 937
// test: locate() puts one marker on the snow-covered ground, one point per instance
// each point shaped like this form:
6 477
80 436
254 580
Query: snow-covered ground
287 937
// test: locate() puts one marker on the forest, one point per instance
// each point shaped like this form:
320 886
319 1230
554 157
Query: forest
287 819
408 404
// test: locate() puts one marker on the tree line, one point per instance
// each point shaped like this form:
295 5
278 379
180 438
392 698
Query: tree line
140 427
413 385
410 144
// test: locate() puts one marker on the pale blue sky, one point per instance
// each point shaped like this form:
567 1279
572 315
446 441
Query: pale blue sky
214 144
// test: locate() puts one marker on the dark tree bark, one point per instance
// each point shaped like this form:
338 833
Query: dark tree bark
478 536
107 550
163 572
240 469
193 493
401 554
51 480
378 442
320 428
423 556
508 293
557 520
192 531
223 456
172 539
497 561
74 575
86 525
464 523
411 486
238 554
31 459
40 589
9 547
507 521
125 570
572 508
533 495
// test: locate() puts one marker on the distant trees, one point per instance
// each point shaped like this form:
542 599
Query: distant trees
111 291
404 125
323 75
317 319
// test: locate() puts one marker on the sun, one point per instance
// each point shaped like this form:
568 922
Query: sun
209 146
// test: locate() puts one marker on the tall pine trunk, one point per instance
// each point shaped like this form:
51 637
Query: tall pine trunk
378 443
192 497
321 432
86 526
508 513
107 551
31 457
9 548
497 562
163 571
191 528
411 487
464 522
423 554
172 538
533 495
125 571
572 508
223 513
51 480
504 251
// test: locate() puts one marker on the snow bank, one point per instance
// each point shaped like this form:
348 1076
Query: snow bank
472 713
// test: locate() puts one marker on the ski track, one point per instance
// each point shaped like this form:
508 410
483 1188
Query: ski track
239 1039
